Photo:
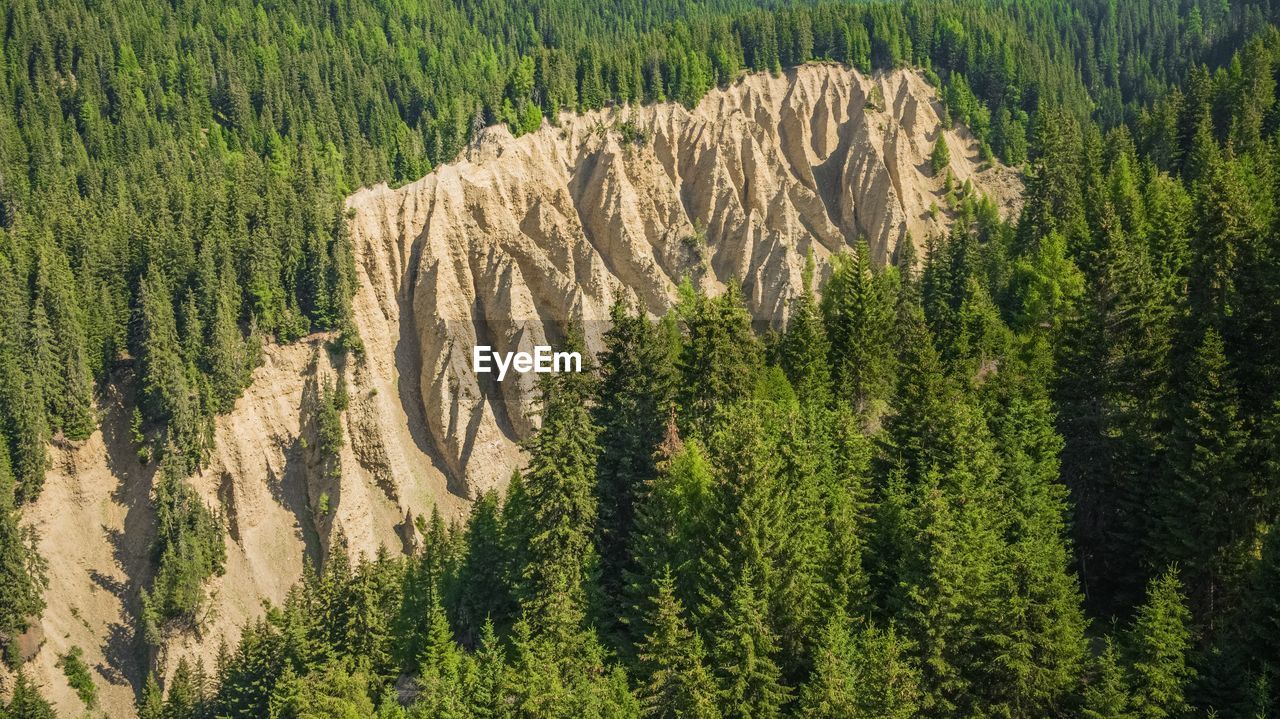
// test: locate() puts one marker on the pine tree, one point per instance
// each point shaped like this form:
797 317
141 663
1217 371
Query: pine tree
188 549
678 684
1158 646
635 395
423 582
671 529
560 483
940 157
372 600
805 347
1054 198
1227 225
845 507
26 701
938 540
1107 694
22 570
1207 522
487 694
151 705
744 649
763 521
185 697
57 312
485 593
862 676
1257 629
338 688
440 674
1037 620
719 359
1046 285
1114 360
858 309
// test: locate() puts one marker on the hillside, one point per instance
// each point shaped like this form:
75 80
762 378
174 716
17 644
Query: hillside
525 233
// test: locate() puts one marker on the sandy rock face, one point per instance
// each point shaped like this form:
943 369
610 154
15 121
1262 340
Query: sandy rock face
506 246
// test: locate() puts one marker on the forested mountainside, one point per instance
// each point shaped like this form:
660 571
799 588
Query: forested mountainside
1031 473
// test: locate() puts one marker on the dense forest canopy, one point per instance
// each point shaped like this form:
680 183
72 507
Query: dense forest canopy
1032 474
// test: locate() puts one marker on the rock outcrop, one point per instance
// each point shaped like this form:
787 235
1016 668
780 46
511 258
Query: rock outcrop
523 235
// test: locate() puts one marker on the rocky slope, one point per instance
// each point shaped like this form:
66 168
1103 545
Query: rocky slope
501 248
524 234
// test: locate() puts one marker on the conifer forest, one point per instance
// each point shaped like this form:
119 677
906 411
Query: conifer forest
1025 469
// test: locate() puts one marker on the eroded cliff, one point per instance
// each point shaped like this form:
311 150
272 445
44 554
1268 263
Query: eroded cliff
524 234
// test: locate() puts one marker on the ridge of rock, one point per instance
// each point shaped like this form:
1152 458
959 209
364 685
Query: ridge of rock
522 235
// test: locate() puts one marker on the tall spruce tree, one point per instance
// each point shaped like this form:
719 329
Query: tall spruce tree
26 701
484 591
719 359
805 348
633 401
1158 647
22 570
858 309
1106 695
672 527
862 674
422 588
1207 522
1254 648
744 650
1114 360
674 680
1037 619
560 484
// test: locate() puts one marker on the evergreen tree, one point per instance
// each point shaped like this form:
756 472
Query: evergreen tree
719 359
487 694
860 676
186 694
678 684
1107 694
744 649
26 702
672 523
188 549
940 157
1260 620
858 309
422 588
484 590
22 570
1115 369
1158 646
58 339
169 394
151 705
560 483
334 689
1037 621
440 674
634 397
1207 523
805 348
